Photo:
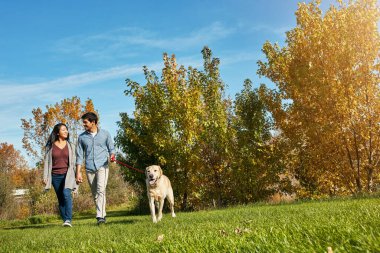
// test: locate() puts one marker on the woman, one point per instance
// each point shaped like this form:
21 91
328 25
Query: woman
59 171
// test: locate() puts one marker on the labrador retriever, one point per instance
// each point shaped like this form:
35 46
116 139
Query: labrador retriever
158 188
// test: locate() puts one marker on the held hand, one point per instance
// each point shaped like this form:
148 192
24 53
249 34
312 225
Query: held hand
113 158
79 178
44 181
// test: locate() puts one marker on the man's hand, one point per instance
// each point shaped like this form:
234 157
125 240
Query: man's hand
79 178
112 158
44 181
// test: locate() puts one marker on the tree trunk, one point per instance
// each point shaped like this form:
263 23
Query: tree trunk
358 165
358 183
369 179
184 201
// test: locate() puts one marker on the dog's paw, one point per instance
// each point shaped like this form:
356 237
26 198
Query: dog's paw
173 215
159 218
154 220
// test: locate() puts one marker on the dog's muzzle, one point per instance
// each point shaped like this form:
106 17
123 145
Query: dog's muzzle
152 180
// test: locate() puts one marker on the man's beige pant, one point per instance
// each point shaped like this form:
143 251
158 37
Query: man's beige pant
98 183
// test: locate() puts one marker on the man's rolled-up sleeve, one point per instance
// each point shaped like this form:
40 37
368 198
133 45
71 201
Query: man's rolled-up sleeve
79 152
110 145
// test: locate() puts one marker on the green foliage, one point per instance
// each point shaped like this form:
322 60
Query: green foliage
256 164
173 119
132 153
184 123
40 219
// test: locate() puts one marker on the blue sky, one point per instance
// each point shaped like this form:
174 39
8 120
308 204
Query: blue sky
51 50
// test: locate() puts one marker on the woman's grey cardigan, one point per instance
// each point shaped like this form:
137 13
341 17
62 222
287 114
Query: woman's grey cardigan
70 176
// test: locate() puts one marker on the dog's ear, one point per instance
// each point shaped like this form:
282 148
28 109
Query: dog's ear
160 171
146 171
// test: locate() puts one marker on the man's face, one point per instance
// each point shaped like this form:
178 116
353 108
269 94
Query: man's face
88 125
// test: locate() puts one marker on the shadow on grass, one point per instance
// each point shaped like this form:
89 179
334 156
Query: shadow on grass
119 213
124 222
34 226
115 213
84 216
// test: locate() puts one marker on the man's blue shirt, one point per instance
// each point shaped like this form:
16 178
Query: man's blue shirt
95 150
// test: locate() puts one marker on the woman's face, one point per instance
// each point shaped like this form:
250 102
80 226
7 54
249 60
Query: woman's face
63 133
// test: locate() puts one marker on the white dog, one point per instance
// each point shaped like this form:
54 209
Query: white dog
158 188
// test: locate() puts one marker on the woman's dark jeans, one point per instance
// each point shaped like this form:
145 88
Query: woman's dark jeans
65 202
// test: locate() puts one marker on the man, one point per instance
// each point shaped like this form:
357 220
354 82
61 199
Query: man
95 146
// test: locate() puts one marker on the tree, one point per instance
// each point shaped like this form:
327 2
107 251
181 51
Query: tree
38 128
20 177
11 160
327 99
131 152
255 172
216 135
181 123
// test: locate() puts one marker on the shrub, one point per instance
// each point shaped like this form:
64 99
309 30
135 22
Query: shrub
40 219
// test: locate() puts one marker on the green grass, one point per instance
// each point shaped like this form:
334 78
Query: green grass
345 225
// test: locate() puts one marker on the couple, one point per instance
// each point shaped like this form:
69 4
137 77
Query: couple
63 162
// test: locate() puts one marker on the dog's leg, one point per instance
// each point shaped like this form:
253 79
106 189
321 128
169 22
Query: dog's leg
152 210
161 206
170 198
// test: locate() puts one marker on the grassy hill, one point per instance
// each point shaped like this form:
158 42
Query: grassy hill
344 225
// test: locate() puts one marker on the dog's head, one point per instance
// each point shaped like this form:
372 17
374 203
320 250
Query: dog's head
153 173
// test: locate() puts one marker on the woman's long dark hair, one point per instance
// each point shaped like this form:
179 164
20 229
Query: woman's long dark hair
54 134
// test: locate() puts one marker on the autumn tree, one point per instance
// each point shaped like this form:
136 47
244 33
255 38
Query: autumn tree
38 128
215 140
11 160
255 169
327 103
181 123
20 177
165 122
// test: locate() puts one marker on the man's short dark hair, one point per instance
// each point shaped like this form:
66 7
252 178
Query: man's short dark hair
90 116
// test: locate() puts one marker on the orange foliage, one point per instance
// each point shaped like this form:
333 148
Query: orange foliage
38 128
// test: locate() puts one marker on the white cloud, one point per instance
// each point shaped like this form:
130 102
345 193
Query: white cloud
11 92
17 100
127 42
195 39
234 57
281 31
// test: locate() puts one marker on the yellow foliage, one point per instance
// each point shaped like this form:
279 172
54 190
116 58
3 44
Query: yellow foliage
328 99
